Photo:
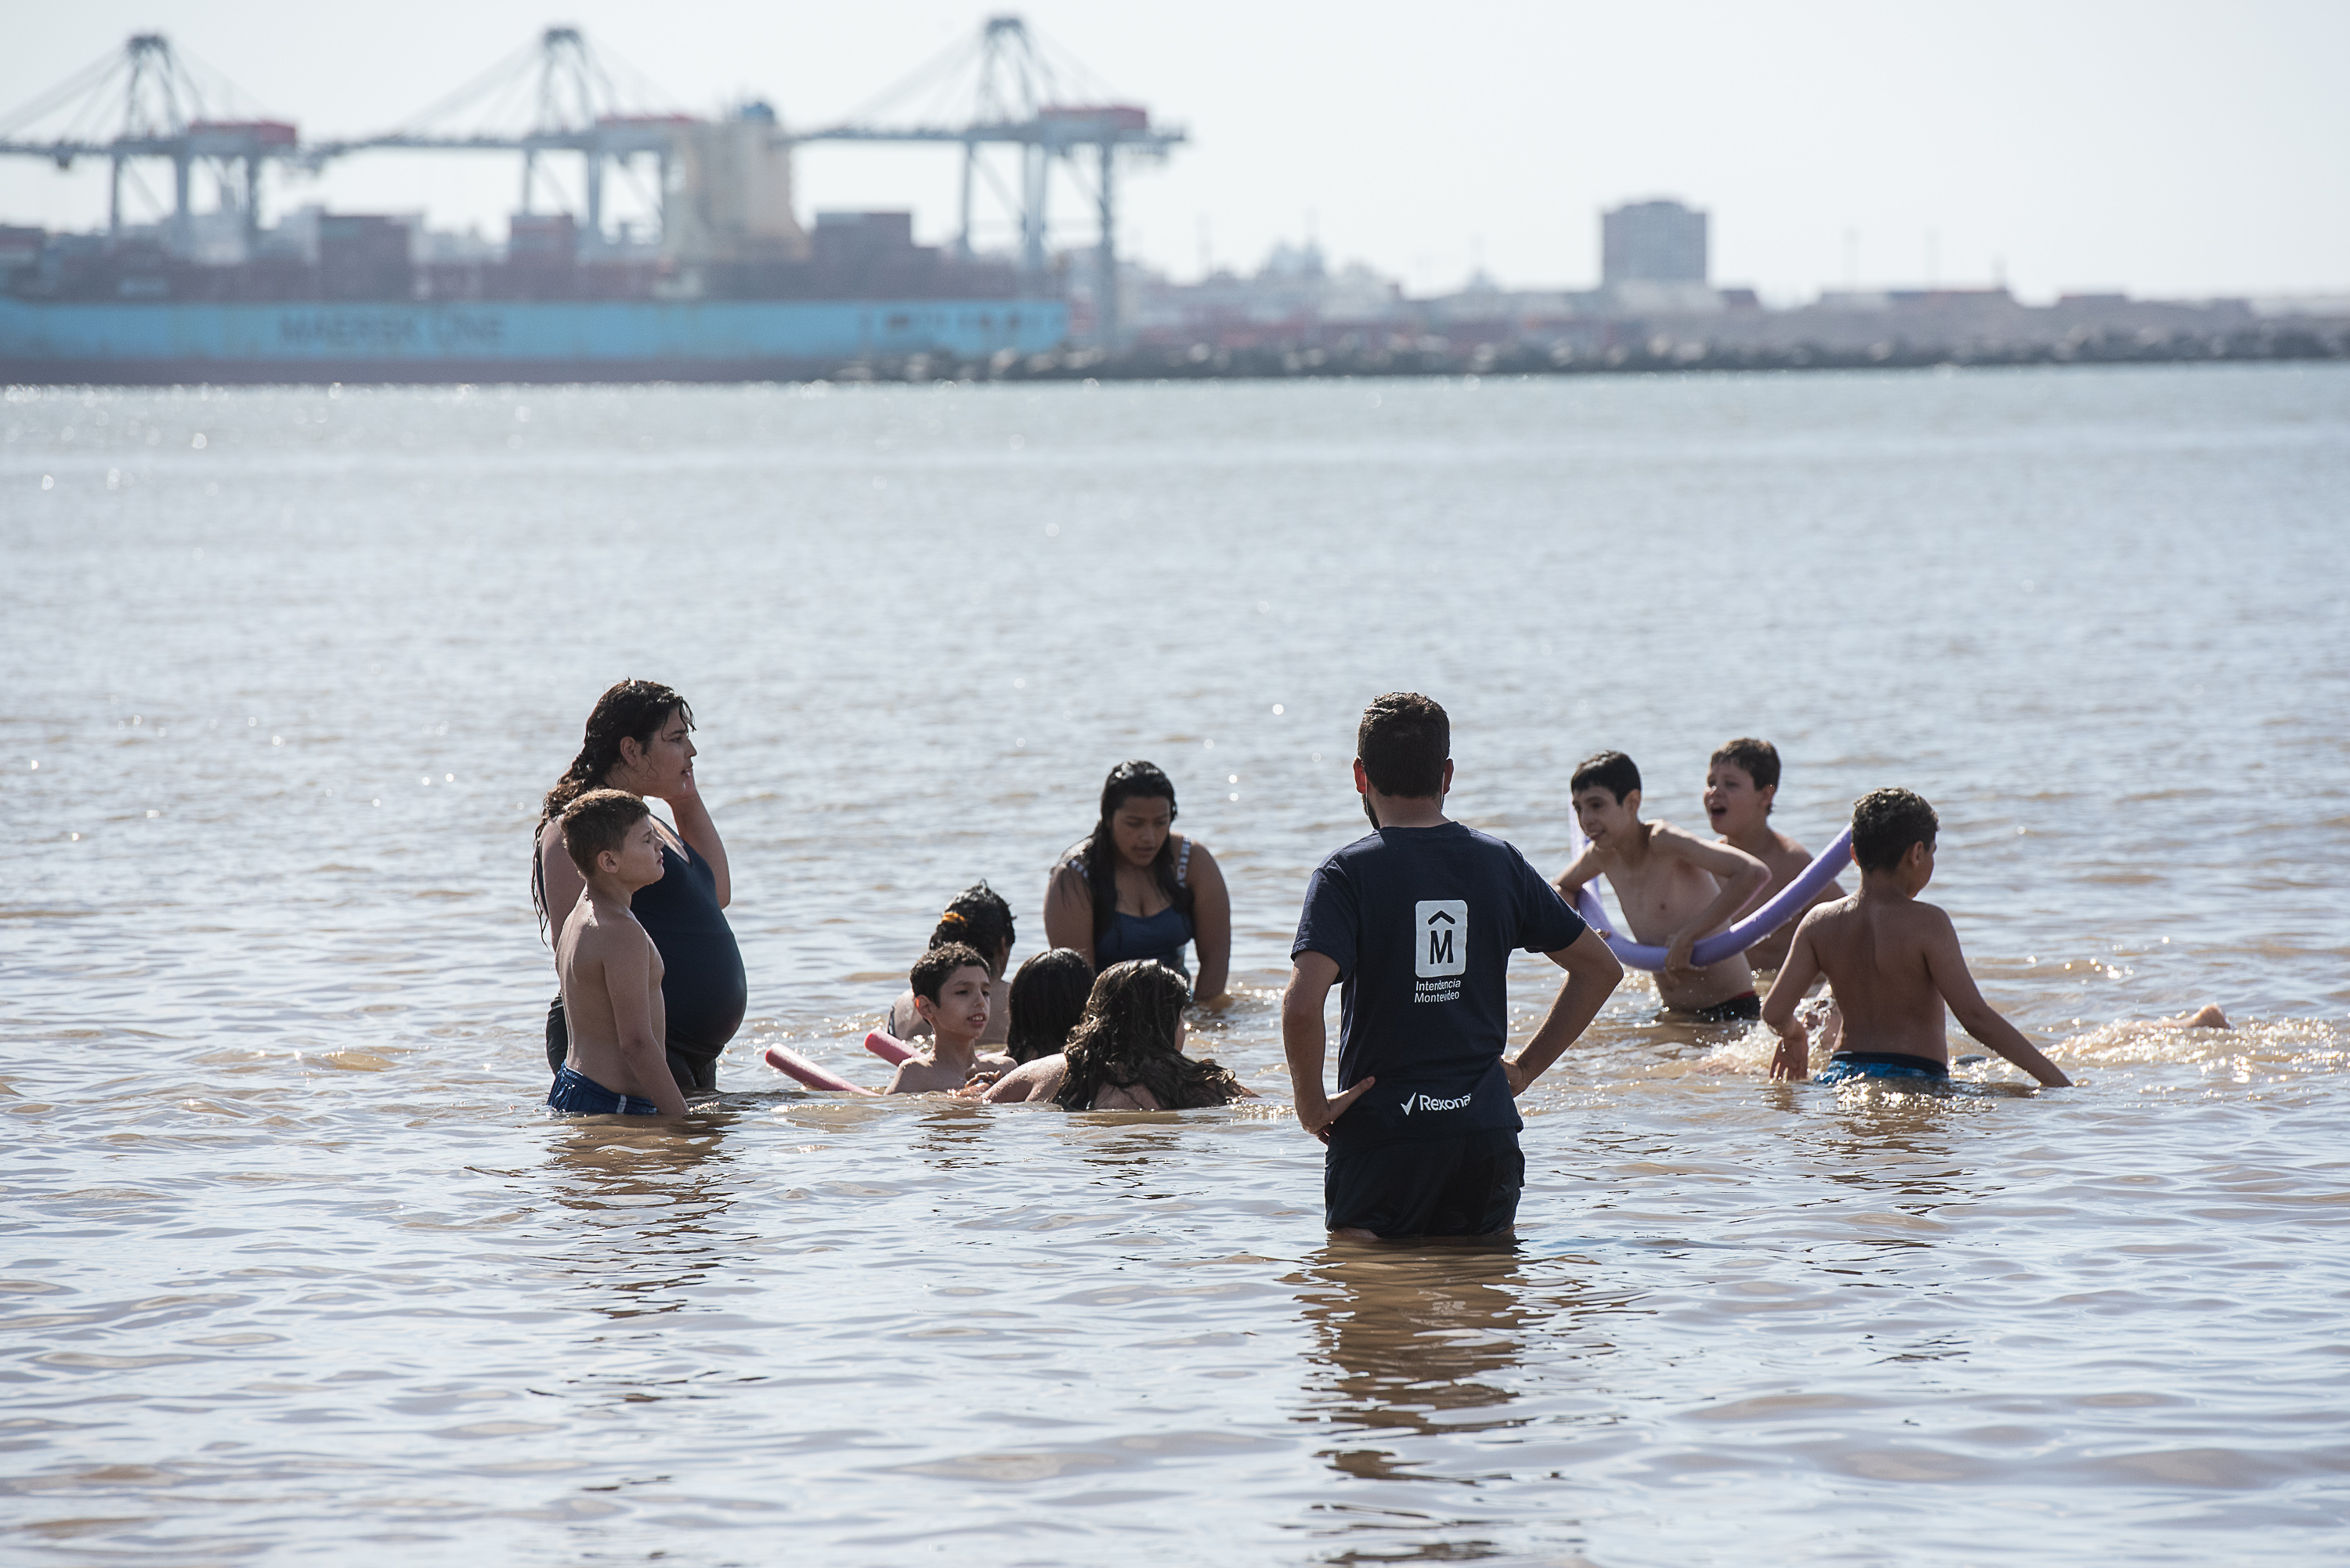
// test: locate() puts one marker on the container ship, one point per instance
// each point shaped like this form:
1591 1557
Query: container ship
717 279
356 304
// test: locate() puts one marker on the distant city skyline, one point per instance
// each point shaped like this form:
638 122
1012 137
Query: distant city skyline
2161 149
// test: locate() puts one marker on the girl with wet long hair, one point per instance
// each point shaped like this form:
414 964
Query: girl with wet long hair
1135 888
639 738
1128 1051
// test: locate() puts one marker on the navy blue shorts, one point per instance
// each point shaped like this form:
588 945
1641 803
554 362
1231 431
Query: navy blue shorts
1465 1186
695 1075
1846 1064
578 1095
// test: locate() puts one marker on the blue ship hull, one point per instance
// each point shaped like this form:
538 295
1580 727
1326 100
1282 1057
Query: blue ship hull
169 342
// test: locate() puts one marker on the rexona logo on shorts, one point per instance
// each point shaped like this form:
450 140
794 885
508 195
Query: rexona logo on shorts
1424 1103
1440 953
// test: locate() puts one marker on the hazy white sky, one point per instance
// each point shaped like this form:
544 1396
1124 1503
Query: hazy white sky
2167 148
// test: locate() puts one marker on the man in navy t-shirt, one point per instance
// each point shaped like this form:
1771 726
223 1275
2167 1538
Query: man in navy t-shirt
1419 921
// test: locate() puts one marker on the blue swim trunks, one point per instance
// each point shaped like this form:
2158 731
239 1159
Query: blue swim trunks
576 1094
1846 1064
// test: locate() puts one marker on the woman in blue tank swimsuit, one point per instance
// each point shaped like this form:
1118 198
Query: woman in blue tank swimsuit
639 739
1135 888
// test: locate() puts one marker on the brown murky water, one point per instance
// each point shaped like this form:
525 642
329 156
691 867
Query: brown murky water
293 1269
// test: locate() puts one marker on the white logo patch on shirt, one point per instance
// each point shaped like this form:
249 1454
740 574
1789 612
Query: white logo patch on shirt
1441 949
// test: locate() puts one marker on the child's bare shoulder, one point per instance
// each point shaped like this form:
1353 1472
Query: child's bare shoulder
1911 926
920 1076
1934 923
1835 914
616 940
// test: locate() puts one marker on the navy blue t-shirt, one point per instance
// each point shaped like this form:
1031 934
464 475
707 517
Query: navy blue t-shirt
1422 922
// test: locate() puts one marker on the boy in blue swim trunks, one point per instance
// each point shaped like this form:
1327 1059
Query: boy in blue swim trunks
610 968
1893 963
1418 922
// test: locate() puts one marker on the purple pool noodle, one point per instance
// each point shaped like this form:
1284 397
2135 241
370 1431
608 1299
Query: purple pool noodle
1738 938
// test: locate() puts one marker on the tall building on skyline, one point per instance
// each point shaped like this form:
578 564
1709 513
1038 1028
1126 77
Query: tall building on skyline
1652 242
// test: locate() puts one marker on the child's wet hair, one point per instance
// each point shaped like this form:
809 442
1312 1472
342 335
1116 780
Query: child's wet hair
1403 742
1611 771
1130 1035
1758 759
1048 997
1885 822
931 971
977 916
597 821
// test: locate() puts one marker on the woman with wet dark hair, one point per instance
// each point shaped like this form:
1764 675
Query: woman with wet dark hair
1135 888
639 738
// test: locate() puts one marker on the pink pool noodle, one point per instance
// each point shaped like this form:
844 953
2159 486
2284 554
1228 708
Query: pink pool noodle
889 1048
809 1073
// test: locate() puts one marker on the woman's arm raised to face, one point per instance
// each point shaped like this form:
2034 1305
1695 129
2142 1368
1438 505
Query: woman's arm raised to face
1211 924
1069 911
695 827
559 880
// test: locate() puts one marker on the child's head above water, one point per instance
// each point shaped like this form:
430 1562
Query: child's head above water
1606 790
1611 771
980 918
1132 1033
612 823
1759 759
949 984
1048 997
1886 824
1741 779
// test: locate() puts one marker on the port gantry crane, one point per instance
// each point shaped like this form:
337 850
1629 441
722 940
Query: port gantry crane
161 106
574 105
1003 90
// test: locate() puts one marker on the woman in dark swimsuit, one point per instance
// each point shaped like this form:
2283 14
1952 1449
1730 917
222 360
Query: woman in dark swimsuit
639 739
1134 888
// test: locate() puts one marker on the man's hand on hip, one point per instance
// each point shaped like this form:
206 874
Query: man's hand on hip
1315 1112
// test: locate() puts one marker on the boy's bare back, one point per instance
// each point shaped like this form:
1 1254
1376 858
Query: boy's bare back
1887 962
1893 963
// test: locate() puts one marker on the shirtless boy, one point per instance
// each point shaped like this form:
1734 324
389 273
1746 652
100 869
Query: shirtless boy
1741 779
609 969
1892 961
1674 887
951 993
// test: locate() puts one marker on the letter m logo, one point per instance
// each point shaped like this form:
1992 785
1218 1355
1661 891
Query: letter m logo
1441 936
